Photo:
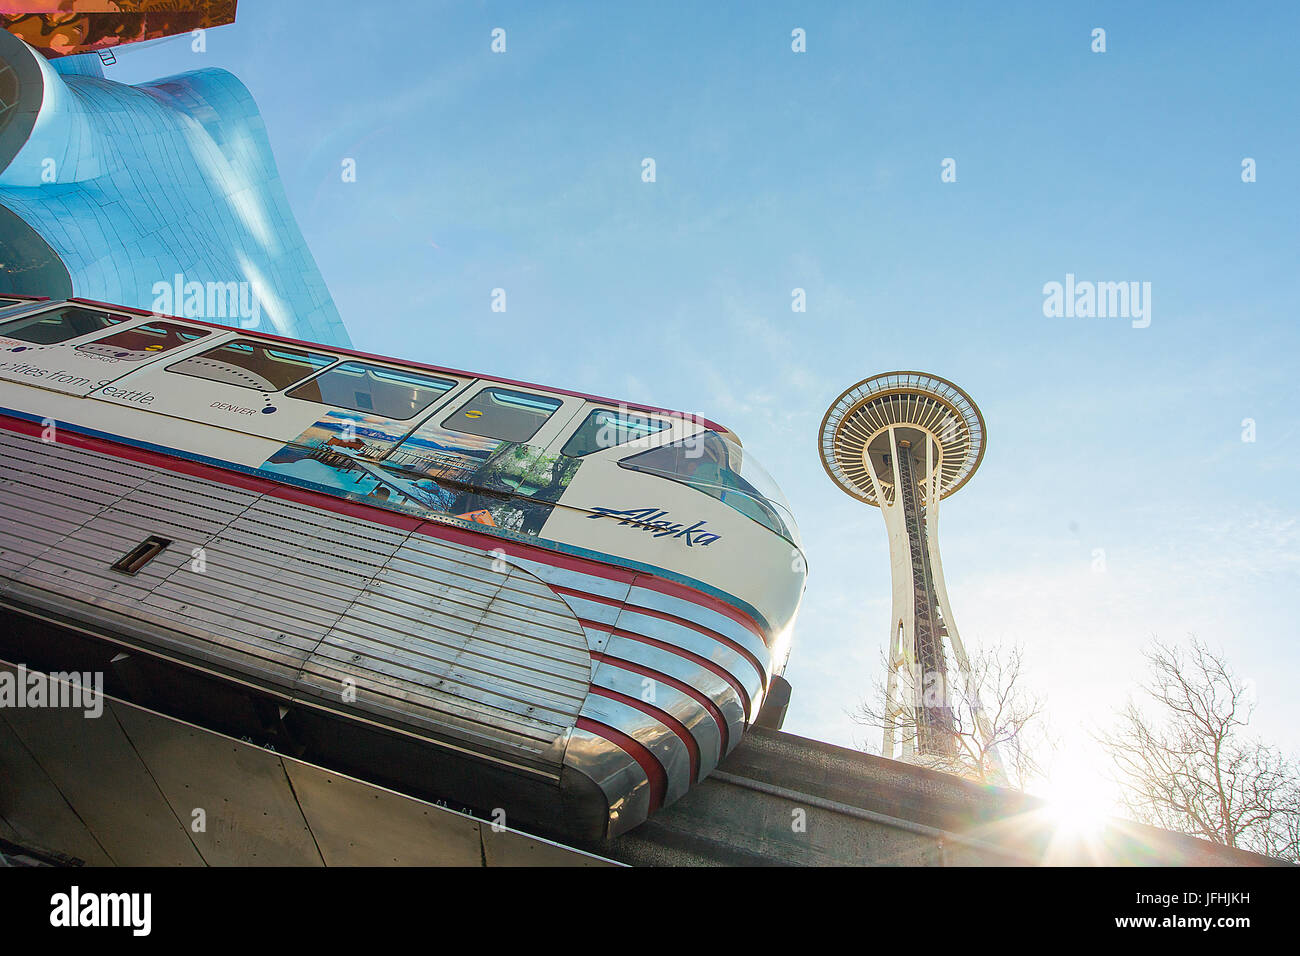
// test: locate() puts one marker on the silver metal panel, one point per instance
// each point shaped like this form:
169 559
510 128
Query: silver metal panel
365 542
275 581
131 502
250 815
79 564
356 824
593 611
133 823
710 648
619 777
705 617
664 697
577 580
33 807
493 654
597 640
722 694
656 736
47 491
426 668
52 463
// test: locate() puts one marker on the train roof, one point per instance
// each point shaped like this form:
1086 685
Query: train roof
410 363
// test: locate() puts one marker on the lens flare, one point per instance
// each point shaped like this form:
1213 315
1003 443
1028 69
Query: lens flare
1078 803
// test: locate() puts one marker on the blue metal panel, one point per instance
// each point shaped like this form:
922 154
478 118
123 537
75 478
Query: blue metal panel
131 187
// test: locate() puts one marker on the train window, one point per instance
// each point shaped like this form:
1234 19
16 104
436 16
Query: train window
59 325
375 390
718 467
252 364
143 341
13 308
503 414
605 429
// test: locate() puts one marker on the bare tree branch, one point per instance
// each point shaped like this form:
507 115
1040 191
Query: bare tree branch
1189 768
993 715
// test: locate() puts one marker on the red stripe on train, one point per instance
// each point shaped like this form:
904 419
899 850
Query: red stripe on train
665 718
672 619
653 771
688 594
691 656
105 446
673 682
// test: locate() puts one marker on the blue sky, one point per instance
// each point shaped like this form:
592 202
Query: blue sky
821 170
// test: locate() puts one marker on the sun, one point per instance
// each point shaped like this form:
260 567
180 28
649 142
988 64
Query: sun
1078 802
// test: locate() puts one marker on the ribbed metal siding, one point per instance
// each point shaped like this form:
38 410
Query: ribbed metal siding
446 638
431 633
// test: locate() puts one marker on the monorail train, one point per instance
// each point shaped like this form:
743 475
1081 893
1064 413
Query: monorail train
506 596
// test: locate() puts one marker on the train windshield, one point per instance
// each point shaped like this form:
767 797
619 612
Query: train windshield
721 469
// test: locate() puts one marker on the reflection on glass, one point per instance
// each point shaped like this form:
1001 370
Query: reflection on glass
721 469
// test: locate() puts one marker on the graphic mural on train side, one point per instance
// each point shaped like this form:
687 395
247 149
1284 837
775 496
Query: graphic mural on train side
503 484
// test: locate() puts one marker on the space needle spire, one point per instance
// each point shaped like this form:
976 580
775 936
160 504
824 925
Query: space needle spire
903 441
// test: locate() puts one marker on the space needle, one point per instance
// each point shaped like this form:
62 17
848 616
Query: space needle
903 441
